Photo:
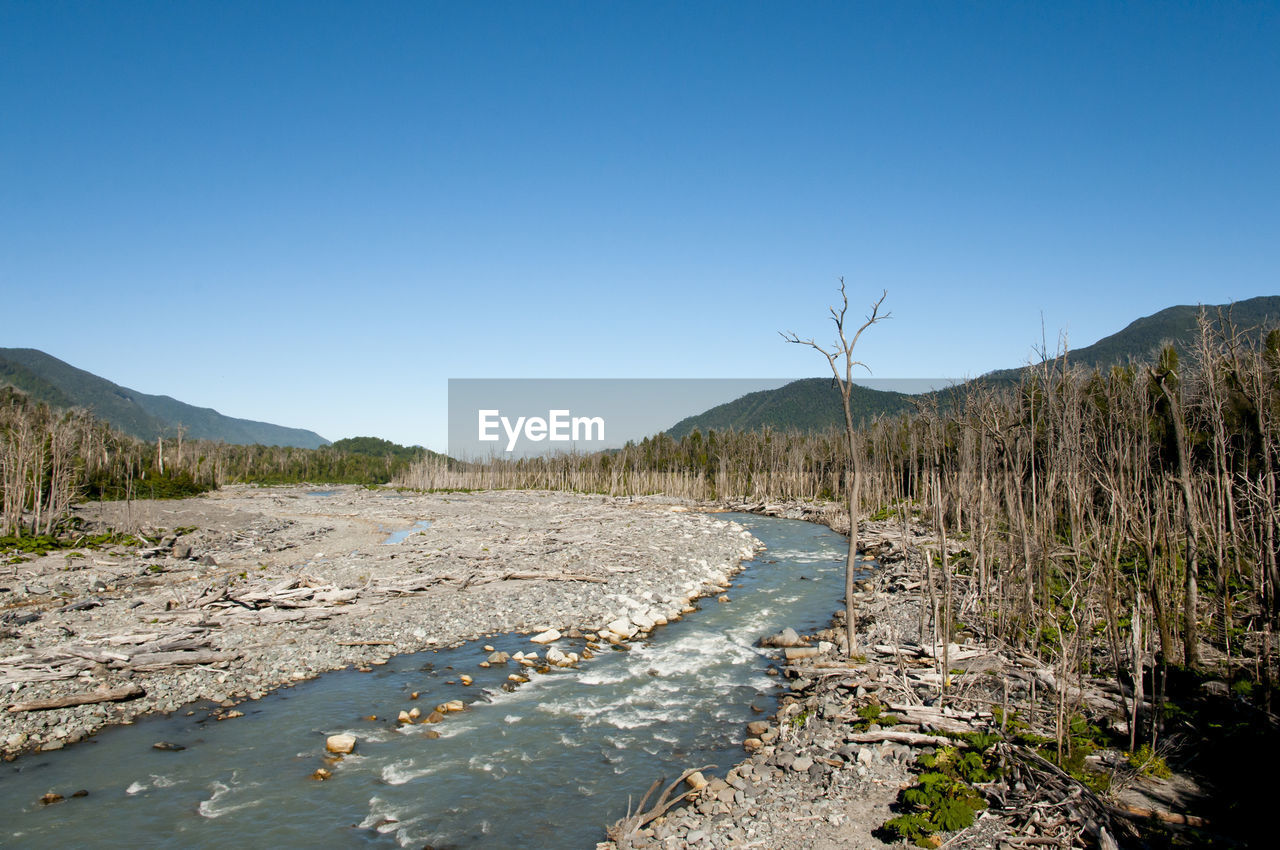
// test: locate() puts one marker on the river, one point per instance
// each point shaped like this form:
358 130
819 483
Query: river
547 764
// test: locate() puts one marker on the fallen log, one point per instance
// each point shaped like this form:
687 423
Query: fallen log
152 661
107 695
914 739
103 657
1131 811
550 577
79 606
415 585
935 719
624 831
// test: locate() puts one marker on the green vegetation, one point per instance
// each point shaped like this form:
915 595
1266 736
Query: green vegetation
13 547
873 713
50 458
943 798
169 485
1147 762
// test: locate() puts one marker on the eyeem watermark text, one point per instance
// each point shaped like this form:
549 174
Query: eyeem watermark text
559 427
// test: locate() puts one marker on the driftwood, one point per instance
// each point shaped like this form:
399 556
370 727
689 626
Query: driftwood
624 831
1132 811
80 606
89 698
1030 781
152 661
416 584
933 717
37 674
914 739
550 577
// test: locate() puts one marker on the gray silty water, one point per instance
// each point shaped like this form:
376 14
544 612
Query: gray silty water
545 765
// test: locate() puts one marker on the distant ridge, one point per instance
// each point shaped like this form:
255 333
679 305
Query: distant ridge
47 379
813 404
1142 338
809 404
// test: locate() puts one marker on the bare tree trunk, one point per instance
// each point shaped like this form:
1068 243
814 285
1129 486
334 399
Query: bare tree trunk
841 354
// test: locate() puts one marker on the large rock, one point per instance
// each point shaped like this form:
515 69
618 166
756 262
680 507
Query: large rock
549 636
786 637
696 780
340 744
622 627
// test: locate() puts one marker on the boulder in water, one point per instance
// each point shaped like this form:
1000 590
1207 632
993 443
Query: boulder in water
341 744
785 638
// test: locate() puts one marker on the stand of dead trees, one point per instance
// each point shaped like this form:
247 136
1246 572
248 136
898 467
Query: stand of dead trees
1123 521
50 459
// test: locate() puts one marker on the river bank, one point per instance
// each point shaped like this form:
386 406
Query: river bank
806 782
248 589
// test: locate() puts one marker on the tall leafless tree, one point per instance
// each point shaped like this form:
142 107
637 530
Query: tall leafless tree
840 357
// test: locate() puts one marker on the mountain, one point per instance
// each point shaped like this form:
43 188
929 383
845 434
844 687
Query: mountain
1142 339
814 403
810 404
47 379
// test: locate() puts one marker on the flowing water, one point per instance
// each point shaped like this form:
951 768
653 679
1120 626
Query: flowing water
547 764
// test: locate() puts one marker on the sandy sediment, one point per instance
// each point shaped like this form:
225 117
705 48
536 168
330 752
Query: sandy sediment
248 588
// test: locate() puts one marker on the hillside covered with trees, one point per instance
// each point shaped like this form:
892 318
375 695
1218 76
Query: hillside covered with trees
46 379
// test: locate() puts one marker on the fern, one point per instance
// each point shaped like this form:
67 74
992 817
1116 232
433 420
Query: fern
942 800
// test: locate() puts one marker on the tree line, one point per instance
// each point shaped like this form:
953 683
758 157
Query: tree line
51 458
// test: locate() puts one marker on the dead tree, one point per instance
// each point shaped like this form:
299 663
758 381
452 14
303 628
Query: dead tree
840 354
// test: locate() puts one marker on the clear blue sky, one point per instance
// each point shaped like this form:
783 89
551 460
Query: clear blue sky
316 213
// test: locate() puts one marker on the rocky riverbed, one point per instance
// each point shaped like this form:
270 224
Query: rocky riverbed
807 781
247 589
